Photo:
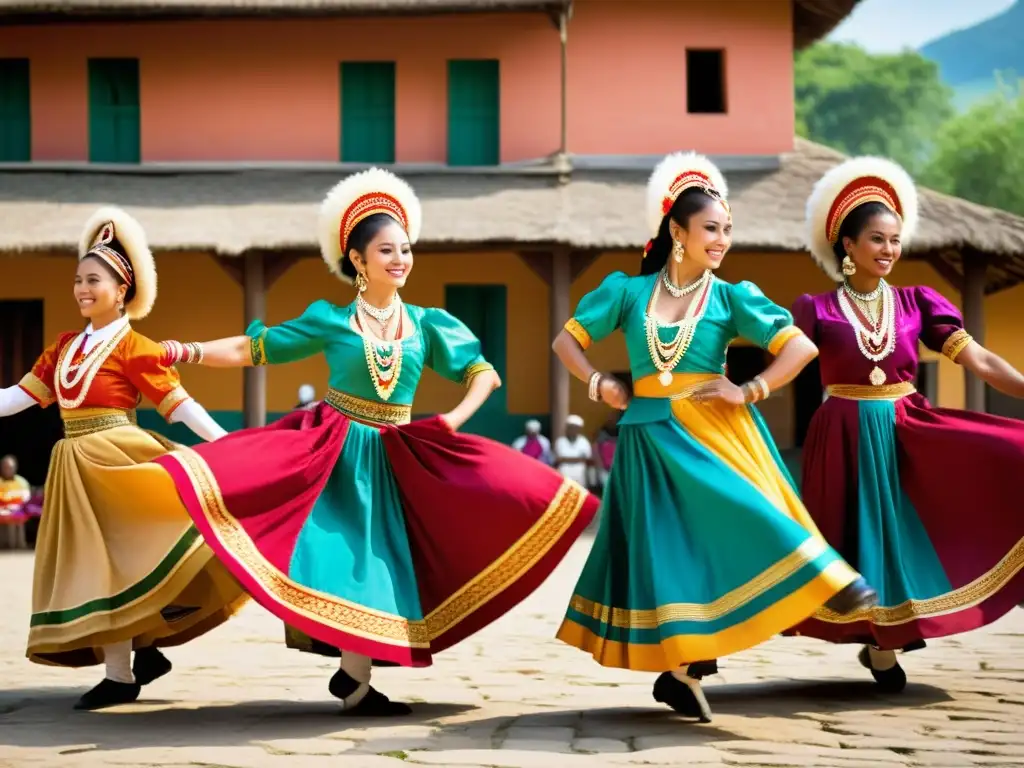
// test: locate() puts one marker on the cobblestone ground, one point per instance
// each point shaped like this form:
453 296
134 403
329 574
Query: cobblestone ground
512 696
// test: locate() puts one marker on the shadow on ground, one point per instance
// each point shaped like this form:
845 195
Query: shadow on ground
29 718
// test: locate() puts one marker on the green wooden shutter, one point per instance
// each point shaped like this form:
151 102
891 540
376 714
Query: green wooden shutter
474 111
368 111
15 112
114 135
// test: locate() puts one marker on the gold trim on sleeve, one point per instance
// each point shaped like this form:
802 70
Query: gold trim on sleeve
578 332
36 389
782 338
475 370
956 343
258 348
171 401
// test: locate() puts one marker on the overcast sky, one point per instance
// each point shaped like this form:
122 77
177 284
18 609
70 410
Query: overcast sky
884 26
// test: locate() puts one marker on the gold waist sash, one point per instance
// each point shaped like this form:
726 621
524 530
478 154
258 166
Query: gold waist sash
869 392
681 387
368 411
88 421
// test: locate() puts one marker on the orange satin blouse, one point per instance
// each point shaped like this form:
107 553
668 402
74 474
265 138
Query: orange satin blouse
134 369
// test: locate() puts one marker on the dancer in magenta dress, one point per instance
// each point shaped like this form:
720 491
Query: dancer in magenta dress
923 501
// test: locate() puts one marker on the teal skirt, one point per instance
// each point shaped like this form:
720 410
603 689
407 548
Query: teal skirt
704 548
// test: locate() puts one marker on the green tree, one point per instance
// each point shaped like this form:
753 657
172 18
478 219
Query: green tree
860 104
979 155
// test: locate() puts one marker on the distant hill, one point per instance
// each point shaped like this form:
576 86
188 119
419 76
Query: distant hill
969 58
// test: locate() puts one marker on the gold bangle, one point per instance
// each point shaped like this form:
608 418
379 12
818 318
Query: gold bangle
763 386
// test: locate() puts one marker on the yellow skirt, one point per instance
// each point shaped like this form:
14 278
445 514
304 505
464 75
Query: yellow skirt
117 557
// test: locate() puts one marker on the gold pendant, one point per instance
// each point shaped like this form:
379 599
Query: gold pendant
665 377
877 377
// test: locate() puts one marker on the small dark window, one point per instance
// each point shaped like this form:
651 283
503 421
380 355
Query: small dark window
705 82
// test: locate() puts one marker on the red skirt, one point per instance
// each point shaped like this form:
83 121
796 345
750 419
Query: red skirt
391 542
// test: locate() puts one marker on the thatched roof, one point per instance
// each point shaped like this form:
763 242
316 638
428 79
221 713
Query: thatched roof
812 19
231 212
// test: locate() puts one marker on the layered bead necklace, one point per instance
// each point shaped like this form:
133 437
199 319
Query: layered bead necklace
666 354
383 358
873 319
84 371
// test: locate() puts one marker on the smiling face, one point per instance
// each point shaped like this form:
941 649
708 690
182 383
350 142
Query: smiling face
707 236
97 291
387 258
877 248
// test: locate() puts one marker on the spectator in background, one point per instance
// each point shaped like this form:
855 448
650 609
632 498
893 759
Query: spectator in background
573 454
307 398
14 489
534 444
604 449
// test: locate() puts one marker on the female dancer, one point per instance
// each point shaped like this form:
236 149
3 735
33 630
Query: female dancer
362 532
704 548
875 478
112 570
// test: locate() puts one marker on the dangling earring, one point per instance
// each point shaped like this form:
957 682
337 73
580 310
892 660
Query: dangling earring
677 251
360 282
849 268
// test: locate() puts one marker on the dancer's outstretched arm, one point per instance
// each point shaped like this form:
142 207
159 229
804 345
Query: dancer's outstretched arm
14 400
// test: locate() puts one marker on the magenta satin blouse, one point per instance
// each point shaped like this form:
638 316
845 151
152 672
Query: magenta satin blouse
922 314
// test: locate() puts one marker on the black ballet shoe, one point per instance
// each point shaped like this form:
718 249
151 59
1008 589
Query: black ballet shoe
687 700
109 694
892 680
854 597
373 704
149 664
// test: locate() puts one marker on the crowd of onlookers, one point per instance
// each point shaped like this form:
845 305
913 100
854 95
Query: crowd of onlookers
585 460
20 506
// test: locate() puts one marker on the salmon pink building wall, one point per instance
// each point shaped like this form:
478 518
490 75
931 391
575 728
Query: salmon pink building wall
268 90
627 76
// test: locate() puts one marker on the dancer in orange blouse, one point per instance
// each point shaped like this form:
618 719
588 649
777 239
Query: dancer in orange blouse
116 565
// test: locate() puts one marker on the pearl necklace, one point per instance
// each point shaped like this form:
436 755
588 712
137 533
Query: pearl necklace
666 355
383 361
382 316
677 291
865 297
69 376
877 343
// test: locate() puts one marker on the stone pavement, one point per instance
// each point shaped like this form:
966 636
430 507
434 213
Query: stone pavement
513 696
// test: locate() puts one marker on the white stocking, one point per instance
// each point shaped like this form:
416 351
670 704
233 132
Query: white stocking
358 668
118 657
881 660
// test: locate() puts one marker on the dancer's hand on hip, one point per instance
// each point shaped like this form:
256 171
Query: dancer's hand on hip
721 389
614 393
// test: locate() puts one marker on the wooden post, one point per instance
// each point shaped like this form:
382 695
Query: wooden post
973 296
254 400
561 281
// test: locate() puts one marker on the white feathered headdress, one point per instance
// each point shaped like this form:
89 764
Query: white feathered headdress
675 174
357 197
857 181
120 241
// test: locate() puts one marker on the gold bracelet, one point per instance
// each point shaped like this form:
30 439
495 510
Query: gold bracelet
763 386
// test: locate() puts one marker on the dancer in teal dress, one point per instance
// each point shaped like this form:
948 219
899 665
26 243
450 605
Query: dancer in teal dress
373 538
704 548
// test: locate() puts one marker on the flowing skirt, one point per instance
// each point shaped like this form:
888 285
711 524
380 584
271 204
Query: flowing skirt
704 548
113 560
924 502
391 542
